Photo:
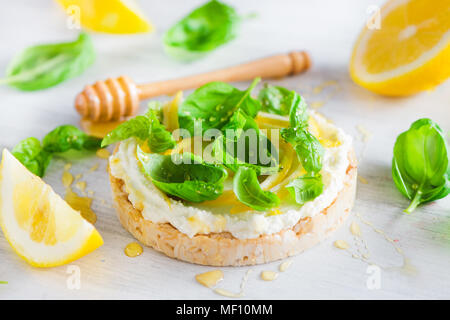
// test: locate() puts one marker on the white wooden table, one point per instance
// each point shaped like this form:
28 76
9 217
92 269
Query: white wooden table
327 29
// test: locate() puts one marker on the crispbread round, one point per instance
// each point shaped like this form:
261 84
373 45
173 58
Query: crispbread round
222 249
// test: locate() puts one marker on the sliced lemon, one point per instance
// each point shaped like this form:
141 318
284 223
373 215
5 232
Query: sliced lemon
407 52
40 226
111 16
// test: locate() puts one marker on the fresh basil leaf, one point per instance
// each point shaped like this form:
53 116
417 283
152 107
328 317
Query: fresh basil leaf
203 30
44 66
306 188
420 166
242 144
137 127
191 179
145 128
248 190
213 104
276 99
298 115
31 154
309 150
67 137
159 139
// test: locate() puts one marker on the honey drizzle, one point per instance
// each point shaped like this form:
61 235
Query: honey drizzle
81 204
241 293
133 250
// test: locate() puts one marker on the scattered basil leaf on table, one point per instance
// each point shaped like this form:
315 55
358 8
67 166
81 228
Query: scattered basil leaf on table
31 154
203 30
67 137
44 66
36 156
248 190
420 166
306 188
146 128
214 103
191 179
276 99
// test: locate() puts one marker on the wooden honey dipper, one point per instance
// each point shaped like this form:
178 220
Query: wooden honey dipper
117 98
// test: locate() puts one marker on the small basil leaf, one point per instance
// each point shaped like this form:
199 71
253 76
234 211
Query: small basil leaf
298 115
191 179
203 30
67 137
276 99
420 166
44 66
213 104
309 150
159 139
306 188
31 154
248 190
137 127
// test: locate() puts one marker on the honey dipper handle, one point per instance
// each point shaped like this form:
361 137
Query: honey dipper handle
271 67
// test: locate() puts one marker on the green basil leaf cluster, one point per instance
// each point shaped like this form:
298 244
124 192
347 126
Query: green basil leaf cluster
36 156
420 166
44 66
309 152
277 100
146 128
191 179
213 104
242 131
201 31
308 148
248 190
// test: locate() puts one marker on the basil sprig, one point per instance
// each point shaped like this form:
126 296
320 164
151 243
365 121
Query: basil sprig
309 152
36 156
42 66
420 166
191 179
201 31
146 128
213 105
308 148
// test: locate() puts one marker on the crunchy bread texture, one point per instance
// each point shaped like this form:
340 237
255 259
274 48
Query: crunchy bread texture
222 249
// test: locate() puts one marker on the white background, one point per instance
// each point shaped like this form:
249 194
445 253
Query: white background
327 29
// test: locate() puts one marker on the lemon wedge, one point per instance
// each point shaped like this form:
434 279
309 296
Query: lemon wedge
111 16
407 51
40 226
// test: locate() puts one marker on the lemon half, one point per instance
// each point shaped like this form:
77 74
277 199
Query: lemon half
40 226
407 52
